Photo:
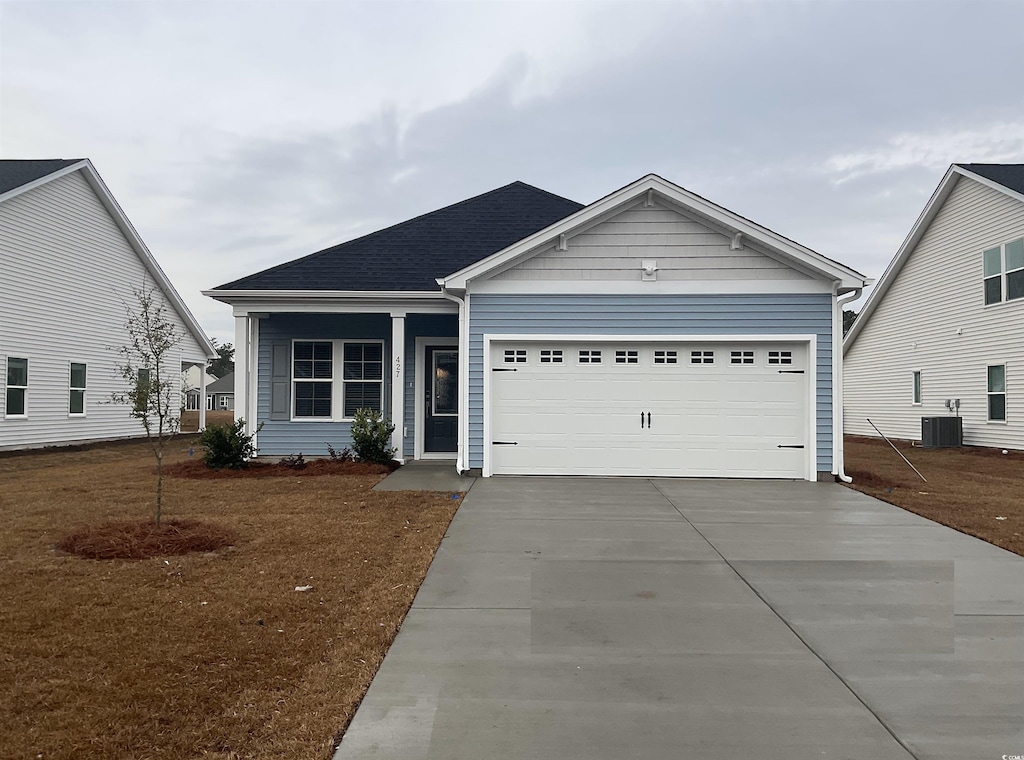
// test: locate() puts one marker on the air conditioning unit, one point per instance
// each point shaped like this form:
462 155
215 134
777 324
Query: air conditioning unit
942 432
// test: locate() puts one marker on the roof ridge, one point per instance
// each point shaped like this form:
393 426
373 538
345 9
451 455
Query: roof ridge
339 246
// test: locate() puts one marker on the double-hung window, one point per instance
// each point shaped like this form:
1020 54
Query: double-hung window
312 378
17 387
1003 269
363 377
997 393
76 390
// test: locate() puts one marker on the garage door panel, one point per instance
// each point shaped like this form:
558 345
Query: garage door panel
706 420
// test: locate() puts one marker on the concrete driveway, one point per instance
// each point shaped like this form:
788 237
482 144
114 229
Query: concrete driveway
569 618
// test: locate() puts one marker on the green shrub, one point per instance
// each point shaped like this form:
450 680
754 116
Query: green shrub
371 437
227 446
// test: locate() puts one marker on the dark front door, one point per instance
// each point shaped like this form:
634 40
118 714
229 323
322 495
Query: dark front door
441 381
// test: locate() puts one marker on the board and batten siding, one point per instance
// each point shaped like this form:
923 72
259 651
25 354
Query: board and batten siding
285 437
683 248
934 319
67 276
670 315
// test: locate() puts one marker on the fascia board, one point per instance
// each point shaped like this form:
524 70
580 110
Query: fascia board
148 260
233 296
924 220
628 194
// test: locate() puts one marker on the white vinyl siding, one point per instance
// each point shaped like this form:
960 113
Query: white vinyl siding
934 319
68 273
683 249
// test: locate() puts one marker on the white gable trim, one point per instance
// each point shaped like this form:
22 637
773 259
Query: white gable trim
94 180
653 185
924 221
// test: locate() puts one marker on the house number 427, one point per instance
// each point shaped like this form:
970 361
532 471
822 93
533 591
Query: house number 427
398 365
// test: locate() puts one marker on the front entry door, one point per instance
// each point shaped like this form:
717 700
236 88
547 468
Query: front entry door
441 392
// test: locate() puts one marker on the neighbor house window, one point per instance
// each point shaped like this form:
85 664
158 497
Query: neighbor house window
76 392
17 387
997 393
1003 269
223 402
917 387
363 377
313 378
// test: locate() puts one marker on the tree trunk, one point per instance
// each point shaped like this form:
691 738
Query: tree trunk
159 484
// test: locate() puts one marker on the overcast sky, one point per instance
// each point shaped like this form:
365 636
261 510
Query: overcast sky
238 135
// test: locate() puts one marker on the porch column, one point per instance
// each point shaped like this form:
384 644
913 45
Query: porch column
242 370
398 384
202 397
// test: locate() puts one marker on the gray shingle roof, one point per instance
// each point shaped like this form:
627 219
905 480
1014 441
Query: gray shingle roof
413 254
224 384
15 173
1007 175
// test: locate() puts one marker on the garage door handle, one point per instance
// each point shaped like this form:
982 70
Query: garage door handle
783 446
504 443
641 420
791 371
648 419
503 369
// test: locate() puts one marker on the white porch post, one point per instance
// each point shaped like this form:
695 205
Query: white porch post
242 370
202 396
398 384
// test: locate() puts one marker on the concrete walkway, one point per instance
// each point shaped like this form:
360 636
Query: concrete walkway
426 475
594 619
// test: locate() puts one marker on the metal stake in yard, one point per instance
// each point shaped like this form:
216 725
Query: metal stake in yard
872 424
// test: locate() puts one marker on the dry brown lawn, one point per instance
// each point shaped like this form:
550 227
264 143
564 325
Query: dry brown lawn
969 489
210 655
190 420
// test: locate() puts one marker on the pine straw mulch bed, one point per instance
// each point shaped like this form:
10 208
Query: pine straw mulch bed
194 468
967 488
212 654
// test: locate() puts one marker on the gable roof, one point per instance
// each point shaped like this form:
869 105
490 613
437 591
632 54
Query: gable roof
16 173
783 247
20 176
1005 178
410 256
224 384
1010 176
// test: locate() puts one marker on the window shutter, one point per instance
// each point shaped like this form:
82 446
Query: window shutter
280 381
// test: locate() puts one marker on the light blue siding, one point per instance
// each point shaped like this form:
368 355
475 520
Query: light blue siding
283 437
653 315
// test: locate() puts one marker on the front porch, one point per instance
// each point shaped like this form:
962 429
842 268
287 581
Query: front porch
303 375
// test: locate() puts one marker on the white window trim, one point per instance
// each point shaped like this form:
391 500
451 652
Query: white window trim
337 378
294 382
989 393
1004 293
28 378
84 389
917 387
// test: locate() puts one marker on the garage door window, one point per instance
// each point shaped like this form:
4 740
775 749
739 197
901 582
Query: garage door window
627 357
551 356
741 357
515 356
589 356
702 357
780 357
665 357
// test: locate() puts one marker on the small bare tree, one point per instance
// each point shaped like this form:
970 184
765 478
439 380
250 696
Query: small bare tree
146 365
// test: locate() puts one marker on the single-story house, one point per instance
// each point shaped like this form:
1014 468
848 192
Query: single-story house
941 333
650 332
220 394
70 260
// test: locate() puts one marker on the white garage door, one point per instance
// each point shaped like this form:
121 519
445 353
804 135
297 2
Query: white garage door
672 409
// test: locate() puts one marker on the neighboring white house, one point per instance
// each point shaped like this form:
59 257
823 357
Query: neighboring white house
946 320
69 259
651 332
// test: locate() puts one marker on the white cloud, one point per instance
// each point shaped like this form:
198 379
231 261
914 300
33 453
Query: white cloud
997 143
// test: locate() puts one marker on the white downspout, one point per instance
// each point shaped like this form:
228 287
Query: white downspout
838 448
460 453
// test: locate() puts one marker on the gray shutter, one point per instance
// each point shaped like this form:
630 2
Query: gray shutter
280 381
